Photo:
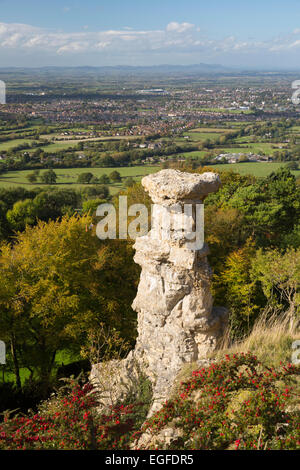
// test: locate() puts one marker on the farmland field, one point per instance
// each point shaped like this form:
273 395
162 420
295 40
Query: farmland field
257 147
67 177
54 147
252 168
13 143
198 136
211 129
71 143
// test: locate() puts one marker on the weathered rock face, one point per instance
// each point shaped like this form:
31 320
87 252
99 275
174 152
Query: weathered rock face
170 186
176 319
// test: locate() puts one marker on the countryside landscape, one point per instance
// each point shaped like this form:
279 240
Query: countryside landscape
118 344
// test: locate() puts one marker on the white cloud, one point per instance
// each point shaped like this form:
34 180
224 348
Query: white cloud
184 38
179 27
295 44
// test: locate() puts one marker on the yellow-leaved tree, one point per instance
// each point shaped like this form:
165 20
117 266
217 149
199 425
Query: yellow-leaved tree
58 281
239 291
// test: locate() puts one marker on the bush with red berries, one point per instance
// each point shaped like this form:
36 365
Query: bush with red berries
236 403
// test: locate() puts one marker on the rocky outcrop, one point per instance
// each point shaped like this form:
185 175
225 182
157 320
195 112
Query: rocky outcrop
177 322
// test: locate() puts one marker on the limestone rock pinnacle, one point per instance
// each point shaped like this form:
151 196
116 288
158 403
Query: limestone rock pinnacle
177 322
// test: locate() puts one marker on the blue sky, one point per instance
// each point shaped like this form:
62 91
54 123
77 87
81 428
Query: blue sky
257 33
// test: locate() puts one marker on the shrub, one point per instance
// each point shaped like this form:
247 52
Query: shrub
235 403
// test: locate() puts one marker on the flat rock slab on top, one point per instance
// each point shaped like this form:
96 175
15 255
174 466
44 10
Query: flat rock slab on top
171 186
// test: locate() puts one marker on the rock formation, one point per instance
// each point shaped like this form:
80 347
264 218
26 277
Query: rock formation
177 322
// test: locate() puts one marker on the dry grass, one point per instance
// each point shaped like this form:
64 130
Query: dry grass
270 340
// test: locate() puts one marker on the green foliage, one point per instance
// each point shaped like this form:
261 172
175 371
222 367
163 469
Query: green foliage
279 275
32 177
99 191
58 282
45 206
270 207
90 206
241 293
235 403
104 179
115 176
23 213
265 211
85 178
49 177
129 182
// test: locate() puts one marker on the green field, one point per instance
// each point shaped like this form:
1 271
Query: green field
63 145
67 177
211 129
4 146
252 168
62 357
71 143
257 147
198 136
226 110
194 153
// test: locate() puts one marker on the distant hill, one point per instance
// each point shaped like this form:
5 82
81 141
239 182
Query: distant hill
123 69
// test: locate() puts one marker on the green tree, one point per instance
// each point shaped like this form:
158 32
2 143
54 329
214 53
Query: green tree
58 283
31 177
23 213
115 176
90 206
46 282
85 178
279 274
241 293
292 165
53 204
49 177
270 207
104 179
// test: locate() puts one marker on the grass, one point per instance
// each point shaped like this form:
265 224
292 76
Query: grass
199 136
63 145
270 340
262 169
54 146
194 153
63 357
4 146
212 129
226 110
257 147
67 177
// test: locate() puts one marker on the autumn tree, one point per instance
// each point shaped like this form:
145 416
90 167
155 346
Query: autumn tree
58 282
279 275
240 292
